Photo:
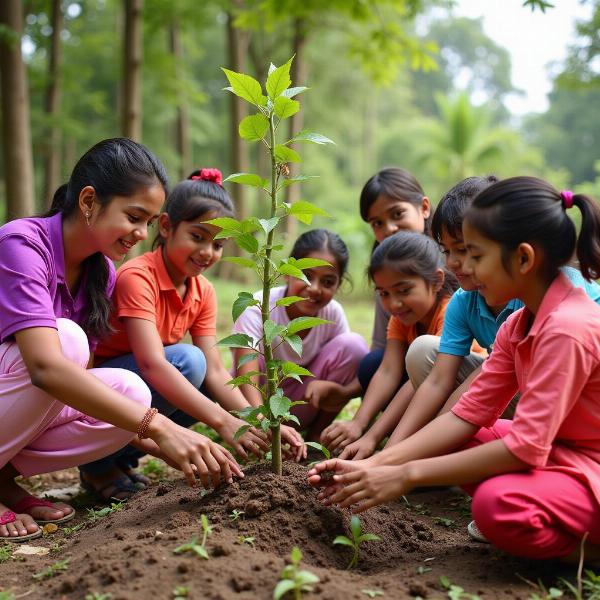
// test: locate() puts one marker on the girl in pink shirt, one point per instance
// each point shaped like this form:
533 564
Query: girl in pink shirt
535 481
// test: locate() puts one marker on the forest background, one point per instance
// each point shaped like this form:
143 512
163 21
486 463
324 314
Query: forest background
383 85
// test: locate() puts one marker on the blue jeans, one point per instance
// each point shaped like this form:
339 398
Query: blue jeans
191 363
369 365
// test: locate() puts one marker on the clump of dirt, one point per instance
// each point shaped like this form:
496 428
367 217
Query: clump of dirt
129 553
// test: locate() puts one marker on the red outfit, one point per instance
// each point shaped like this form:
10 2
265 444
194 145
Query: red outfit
555 365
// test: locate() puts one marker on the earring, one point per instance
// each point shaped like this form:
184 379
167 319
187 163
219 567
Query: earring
88 214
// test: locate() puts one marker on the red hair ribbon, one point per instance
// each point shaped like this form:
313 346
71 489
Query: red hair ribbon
567 198
209 175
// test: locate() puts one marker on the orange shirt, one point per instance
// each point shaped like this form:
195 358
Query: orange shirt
144 290
408 333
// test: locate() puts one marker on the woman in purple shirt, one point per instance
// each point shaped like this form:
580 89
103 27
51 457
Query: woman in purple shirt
57 278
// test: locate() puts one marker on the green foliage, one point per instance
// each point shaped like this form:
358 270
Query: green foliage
358 538
5 553
98 596
52 570
450 523
588 587
257 236
242 539
455 592
193 545
154 466
294 579
373 593
236 514
94 515
180 592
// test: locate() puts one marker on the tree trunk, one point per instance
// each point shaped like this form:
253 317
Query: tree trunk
132 70
53 95
299 77
182 120
16 132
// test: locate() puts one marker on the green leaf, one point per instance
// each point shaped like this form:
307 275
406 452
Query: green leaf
295 343
201 552
305 211
306 578
226 223
286 269
308 263
311 136
343 540
241 261
279 404
304 323
226 233
245 87
240 380
289 300
298 179
253 127
293 418
279 80
289 367
241 303
246 358
265 425
296 555
285 107
282 588
237 340
268 224
284 154
320 447
248 413
247 179
369 537
355 527
272 330
248 242
241 431
294 91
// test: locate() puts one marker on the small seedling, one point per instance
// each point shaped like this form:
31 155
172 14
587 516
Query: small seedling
422 570
543 593
52 570
373 593
71 530
5 553
57 547
236 514
154 467
98 596
246 540
455 592
95 515
180 593
358 537
194 546
294 579
450 523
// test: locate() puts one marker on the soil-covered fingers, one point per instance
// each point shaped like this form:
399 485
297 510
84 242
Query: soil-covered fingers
297 447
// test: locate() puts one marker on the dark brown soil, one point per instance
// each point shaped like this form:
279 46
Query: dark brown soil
129 553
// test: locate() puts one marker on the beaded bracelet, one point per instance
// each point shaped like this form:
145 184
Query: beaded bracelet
145 423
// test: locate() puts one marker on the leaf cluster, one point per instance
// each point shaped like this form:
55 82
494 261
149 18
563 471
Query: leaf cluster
193 545
294 579
358 537
95 515
52 570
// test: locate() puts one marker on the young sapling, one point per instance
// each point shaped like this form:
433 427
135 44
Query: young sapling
52 570
193 545
236 514
294 579
358 537
242 539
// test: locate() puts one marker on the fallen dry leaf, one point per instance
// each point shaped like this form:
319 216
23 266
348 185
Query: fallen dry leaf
50 528
31 550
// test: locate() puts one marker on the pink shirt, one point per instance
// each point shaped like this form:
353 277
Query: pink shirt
556 367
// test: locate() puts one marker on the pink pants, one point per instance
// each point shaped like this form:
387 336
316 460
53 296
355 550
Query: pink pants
38 433
542 513
337 361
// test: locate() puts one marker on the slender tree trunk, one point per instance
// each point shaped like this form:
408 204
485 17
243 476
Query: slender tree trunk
132 70
182 120
53 97
16 132
369 145
299 77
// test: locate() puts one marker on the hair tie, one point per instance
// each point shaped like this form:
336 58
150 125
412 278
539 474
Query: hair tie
567 198
208 175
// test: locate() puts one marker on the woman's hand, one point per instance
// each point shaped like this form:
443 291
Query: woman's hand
359 483
363 447
193 453
297 447
253 440
339 434
328 396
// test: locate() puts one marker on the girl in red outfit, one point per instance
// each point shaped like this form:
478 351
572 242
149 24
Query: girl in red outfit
535 481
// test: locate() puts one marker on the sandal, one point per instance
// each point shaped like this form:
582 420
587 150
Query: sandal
25 505
8 516
475 533
140 481
121 485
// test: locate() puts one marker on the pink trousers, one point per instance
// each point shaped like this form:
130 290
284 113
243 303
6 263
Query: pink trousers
337 361
38 433
541 513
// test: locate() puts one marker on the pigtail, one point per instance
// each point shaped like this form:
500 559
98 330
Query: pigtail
97 320
588 242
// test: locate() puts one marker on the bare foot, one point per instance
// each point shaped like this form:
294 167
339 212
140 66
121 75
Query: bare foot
23 525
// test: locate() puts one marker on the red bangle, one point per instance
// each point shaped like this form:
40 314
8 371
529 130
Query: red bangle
145 423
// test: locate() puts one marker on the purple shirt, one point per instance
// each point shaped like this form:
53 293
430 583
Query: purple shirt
33 290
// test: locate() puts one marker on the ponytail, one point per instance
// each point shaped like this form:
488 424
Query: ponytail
59 200
588 242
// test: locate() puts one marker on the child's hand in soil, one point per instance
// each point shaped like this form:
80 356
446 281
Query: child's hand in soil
359 483
193 453
328 396
363 447
253 440
297 448
339 434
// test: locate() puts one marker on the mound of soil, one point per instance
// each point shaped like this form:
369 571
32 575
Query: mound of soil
129 553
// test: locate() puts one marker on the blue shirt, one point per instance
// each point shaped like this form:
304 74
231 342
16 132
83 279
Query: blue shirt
468 317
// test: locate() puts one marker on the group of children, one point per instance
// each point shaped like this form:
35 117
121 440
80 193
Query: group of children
478 315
